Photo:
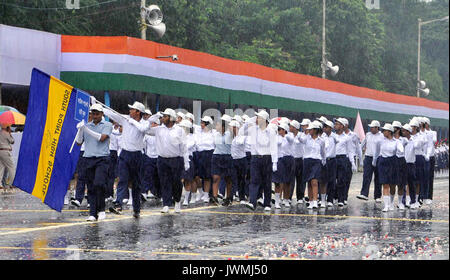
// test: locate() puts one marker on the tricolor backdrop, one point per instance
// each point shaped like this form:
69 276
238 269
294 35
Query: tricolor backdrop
124 63
45 166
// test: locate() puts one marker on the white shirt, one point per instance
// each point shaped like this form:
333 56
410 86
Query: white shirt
222 143
297 146
314 148
238 147
150 146
355 147
420 148
191 147
403 141
204 140
410 156
432 138
370 142
263 142
330 144
113 140
133 131
170 142
284 145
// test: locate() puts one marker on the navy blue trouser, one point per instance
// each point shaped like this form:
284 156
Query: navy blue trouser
425 184
261 179
298 183
96 175
248 156
411 170
431 181
112 173
150 179
342 175
332 173
170 171
369 170
238 177
81 181
129 166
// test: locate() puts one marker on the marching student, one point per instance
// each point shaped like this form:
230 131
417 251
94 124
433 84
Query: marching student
248 156
149 172
180 117
130 159
420 138
313 160
205 148
425 184
95 135
221 161
328 182
301 186
355 150
369 144
264 158
385 151
432 138
172 157
239 159
410 159
344 160
297 151
401 169
188 175
285 166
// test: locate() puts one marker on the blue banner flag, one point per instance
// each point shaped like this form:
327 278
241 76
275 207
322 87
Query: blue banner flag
45 166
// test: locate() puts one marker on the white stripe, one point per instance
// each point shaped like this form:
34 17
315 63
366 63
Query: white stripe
128 64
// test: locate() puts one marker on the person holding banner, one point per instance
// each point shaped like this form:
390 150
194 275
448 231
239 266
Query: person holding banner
95 135
131 158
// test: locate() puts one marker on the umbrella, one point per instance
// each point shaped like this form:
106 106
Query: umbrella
4 108
12 117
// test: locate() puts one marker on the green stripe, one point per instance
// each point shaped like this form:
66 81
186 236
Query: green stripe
116 82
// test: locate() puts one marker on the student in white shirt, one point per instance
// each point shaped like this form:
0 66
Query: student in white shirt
385 152
113 161
313 160
205 147
301 185
432 139
400 166
190 186
239 162
329 171
297 151
355 151
285 166
410 159
150 178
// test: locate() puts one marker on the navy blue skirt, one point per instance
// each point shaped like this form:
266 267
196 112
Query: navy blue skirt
204 164
221 165
328 173
411 174
189 174
386 170
285 170
401 171
312 169
420 168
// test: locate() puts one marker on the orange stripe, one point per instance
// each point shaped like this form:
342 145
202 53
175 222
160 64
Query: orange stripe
149 49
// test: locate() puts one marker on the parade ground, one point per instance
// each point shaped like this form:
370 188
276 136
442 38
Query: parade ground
360 230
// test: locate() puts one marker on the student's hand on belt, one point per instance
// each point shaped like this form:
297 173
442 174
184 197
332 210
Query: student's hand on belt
274 167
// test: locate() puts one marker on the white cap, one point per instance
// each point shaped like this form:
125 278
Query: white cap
234 123
396 124
226 118
190 116
388 126
426 120
407 127
137 106
272 126
305 122
420 119
319 124
343 121
180 114
147 111
238 118
207 119
295 124
170 112
414 122
263 114
329 123
96 107
284 120
284 126
185 123
245 117
313 125
374 123
322 119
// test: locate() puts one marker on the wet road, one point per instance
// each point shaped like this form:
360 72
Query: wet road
30 230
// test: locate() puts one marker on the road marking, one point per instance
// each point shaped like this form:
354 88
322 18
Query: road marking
140 252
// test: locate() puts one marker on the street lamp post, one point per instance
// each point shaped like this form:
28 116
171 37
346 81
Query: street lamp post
324 69
420 23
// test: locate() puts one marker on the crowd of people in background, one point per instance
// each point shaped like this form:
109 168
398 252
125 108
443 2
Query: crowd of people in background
251 160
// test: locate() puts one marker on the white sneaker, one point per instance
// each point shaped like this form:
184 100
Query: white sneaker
385 209
363 197
198 197
378 200
310 206
286 203
401 206
91 219
300 201
243 202
323 205
130 202
277 205
345 202
66 200
205 198
150 195
428 202
414 206
391 207
165 209
125 201
260 201
330 204
101 216
267 208
177 207
185 202
341 204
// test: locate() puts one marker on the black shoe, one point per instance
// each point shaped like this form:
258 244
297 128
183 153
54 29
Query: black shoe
143 197
136 215
213 200
75 202
226 202
116 209
306 198
250 206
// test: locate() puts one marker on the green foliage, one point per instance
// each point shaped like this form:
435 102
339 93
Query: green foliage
373 48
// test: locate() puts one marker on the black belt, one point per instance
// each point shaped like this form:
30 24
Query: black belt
330 158
260 156
341 156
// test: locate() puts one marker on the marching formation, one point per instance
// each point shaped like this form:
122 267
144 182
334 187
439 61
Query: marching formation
241 158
